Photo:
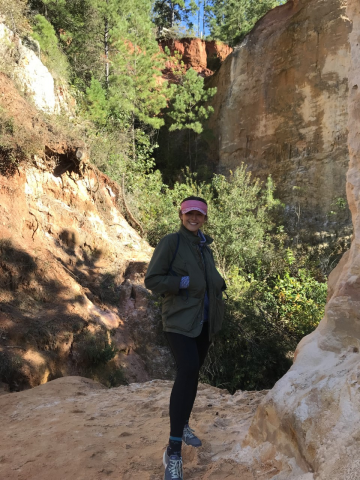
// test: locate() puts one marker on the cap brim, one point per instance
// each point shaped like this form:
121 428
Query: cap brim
191 209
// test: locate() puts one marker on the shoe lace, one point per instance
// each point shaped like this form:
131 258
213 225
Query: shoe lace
188 432
175 468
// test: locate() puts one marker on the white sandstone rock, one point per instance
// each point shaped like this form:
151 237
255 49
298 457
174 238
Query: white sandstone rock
31 75
313 413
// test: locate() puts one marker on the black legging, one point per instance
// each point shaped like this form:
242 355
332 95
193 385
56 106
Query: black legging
189 354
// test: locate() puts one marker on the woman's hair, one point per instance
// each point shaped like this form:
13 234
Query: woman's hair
192 197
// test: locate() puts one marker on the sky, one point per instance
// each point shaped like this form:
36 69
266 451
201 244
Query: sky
195 20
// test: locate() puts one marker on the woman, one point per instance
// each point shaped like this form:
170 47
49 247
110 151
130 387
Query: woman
182 270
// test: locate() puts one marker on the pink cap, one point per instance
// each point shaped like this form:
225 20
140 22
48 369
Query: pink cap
189 205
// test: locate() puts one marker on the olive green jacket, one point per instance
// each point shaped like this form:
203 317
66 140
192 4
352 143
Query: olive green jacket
183 310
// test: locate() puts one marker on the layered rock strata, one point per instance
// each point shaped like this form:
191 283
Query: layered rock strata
281 108
203 56
313 413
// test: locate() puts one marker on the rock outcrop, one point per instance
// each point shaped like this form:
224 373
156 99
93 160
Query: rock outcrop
202 56
313 413
34 79
281 108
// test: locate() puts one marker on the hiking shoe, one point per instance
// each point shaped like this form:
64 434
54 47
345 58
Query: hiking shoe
189 438
173 467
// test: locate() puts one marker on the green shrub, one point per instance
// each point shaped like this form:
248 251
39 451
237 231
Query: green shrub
116 377
276 294
96 353
95 349
265 319
97 103
10 369
51 53
16 144
300 302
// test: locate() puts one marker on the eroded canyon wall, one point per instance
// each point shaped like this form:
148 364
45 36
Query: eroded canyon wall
281 108
71 267
313 413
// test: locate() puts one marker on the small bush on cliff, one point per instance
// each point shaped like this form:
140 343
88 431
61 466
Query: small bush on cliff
51 53
96 354
11 369
16 143
95 349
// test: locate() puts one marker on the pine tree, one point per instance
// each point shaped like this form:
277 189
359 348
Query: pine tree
229 21
187 109
137 64
78 27
97 103
168 13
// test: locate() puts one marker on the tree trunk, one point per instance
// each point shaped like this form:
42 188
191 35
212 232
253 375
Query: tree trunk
172 6
190 149
204 18
133 136
199 11
106 51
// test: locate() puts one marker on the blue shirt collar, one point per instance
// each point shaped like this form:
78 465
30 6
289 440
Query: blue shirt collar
202 237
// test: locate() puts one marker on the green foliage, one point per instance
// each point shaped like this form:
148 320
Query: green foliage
265 320
115 377
79 29
186 108
178 31
97 103
230 21
115 66
96 354
250 353
169 13
300 302
52 55
11 369
240 219
339 205
136 66
15 15
276 295
154 203
95 350
16 144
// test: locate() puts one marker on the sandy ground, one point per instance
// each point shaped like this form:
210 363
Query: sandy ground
74 428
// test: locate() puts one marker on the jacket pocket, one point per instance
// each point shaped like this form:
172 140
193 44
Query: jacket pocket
183 313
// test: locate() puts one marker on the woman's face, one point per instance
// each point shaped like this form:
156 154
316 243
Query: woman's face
193 220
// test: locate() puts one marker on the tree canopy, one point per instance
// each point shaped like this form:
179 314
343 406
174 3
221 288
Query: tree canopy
230 21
